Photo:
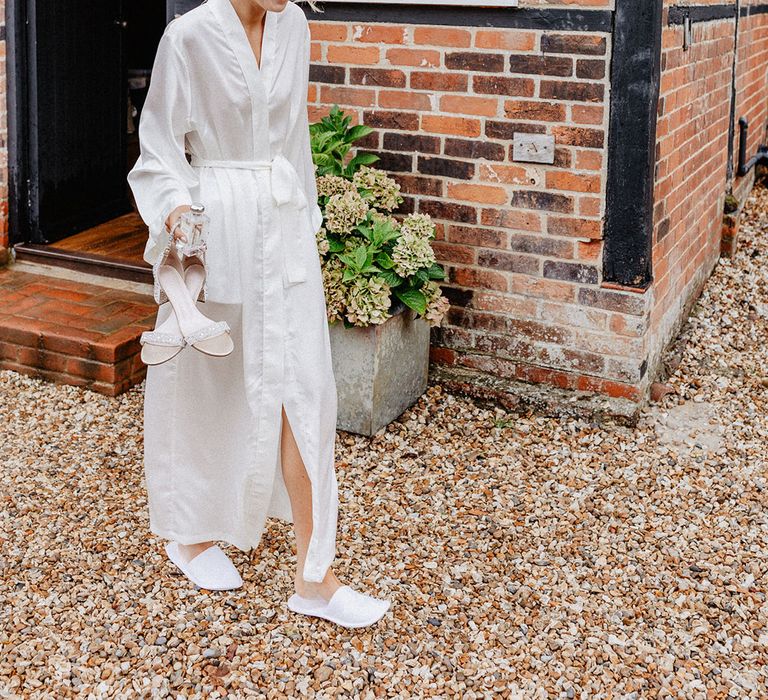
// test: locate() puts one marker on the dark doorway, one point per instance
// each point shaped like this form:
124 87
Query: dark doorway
80 73
76 136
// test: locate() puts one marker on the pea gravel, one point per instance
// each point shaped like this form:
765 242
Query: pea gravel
526 556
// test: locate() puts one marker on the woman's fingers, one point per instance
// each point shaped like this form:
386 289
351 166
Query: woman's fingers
172 222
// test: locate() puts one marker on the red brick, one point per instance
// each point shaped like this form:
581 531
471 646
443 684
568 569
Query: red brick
580 43
328 31
484 194
439 82
442 36
419 58
355 55
479 279
578 228
463 104
20 331
377 77
401 99
392 120
455 126
573 182
468 60
506 39
503 86
512 219
379 33
534 111
357 97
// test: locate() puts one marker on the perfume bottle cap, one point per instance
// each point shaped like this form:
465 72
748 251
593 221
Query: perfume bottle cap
197 208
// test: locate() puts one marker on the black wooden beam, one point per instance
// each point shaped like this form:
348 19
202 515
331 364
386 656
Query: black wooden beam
455 15
700 13
635 78
677 14
18 160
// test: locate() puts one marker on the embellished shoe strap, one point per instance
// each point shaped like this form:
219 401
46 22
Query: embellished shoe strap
214 329
160 338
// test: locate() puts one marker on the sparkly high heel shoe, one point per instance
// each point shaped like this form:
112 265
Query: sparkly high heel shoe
197 330
165 342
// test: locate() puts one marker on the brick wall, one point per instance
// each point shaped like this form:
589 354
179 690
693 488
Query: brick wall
692 156
751 78
521 242
691 163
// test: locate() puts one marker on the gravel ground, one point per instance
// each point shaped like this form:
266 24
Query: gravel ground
526 556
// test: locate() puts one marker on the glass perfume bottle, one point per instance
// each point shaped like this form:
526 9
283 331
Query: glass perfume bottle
194 226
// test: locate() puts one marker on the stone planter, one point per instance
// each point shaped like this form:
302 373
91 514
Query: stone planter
380 370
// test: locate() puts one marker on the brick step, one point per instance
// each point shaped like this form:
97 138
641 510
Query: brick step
73 332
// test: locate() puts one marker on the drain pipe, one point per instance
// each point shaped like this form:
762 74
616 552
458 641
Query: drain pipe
760 157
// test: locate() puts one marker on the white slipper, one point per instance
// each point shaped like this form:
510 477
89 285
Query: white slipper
346 607
211 569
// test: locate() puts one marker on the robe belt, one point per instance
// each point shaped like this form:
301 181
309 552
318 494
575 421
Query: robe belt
287 195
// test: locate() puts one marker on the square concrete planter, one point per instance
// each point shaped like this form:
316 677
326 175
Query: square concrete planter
380 370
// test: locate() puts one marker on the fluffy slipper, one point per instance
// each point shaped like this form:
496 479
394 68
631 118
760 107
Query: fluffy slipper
346 607
211 569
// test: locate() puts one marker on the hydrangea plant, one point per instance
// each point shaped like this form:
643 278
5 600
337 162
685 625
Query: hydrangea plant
371 259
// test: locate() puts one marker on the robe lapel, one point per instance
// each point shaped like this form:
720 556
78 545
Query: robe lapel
257 80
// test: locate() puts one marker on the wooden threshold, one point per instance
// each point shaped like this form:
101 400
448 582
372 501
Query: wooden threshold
92 263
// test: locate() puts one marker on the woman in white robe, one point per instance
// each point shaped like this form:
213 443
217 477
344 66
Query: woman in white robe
231 441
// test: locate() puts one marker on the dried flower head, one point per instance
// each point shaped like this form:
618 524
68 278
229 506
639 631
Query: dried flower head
329 185
412 252
335 289
368 301
384 191
420 225
322 241
437 304
344 211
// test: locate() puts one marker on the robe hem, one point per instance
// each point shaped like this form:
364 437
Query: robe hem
209 536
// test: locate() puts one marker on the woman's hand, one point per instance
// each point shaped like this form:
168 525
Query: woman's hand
173 218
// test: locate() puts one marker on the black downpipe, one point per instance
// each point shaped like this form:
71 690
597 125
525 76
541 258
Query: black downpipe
732 111
761 157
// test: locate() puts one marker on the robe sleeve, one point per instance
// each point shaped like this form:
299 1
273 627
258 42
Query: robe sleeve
305 166
162 177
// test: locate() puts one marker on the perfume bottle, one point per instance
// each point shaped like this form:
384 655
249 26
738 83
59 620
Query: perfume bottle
194 226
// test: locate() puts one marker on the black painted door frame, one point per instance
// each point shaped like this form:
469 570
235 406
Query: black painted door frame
67 142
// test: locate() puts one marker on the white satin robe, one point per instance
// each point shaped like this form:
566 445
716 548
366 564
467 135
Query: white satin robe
212 425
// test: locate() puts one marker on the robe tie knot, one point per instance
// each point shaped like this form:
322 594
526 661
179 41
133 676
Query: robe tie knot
286 192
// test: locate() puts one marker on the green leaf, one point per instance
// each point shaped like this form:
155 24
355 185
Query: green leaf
421 276
349 260
358 132
413 298
361 257
349 274
364 159
436 272
384 259
365 230
391 278
335 245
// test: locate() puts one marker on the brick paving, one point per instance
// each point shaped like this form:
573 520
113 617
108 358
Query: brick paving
72 332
